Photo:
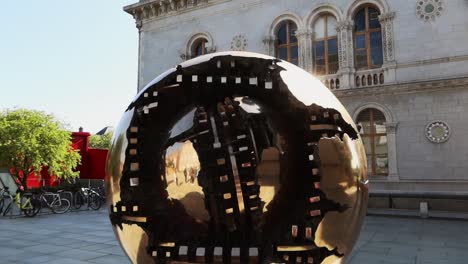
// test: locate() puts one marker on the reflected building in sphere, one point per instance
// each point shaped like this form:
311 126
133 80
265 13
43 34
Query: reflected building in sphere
237 157
399 67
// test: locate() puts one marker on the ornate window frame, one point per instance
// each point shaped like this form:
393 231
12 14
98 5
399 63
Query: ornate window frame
366 33
289 44
270 37
386 18
391 126
317 12
210 46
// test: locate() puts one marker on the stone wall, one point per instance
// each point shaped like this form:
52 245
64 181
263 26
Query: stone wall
426 68
433 49
412 107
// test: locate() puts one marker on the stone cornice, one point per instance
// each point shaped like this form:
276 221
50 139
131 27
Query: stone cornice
151 9
402 88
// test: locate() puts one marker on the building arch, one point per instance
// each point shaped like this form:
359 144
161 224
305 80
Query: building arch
387 113
391 127
355 6
210 46
320 10
324 43
286 16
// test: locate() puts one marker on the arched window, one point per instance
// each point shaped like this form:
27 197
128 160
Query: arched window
286 42
371 125
325 45
199 47
367 39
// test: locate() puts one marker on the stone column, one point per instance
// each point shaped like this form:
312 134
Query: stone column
345 54
304 40
269 42
392 152
386 22
389 64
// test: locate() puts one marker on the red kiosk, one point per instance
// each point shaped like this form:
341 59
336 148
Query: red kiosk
93 162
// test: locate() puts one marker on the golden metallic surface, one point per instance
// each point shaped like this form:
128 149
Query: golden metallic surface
295 248
139 219
262 156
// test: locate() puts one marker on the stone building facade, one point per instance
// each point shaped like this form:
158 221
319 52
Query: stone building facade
400 67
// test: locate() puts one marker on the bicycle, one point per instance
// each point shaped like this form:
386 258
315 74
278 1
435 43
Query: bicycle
89 197
2 197
25 202
58 205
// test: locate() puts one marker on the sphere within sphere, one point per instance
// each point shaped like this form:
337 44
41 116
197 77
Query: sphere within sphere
236 157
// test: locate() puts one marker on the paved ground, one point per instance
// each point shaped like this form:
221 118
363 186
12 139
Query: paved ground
86 237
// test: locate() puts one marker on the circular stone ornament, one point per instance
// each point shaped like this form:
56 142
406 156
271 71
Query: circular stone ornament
236 157
239 43
437 131
429 10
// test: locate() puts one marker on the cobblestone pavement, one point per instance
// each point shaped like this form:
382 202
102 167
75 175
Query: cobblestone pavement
87 237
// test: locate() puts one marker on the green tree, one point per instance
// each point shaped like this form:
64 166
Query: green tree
101 141
31 140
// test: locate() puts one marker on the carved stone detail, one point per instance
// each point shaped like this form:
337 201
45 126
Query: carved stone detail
269 42
239 43
386 21
429 10
156 8
345 45
304 38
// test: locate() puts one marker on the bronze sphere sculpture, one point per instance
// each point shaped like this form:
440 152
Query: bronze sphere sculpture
236 157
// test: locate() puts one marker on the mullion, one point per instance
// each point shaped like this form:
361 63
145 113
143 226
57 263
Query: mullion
373 156
368 38
326 44
288 42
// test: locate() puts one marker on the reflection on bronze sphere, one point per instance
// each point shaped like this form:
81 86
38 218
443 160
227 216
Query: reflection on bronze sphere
236 157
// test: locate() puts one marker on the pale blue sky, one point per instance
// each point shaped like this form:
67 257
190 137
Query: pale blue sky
74 59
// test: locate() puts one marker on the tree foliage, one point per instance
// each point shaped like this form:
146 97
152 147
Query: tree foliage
101 141
31 140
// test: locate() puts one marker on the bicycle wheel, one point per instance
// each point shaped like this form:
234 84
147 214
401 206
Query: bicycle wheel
78 201
31 207
60 206
94 201
2 202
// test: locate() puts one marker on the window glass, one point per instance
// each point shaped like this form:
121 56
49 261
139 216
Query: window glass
372 123
319 57
369 163
333 46
199 47
361 59
319 28
332 56
381 163
331 26
294 52
360 20
380 127
281 35
320 52
367 144
283 53
374 18
292 32
378 116
380 146
360 41
376 48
